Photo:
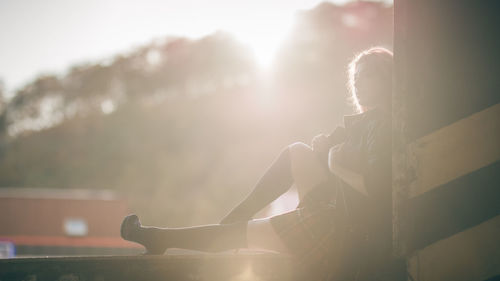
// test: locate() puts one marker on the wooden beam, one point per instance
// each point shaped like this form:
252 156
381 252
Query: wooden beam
456 150
473 254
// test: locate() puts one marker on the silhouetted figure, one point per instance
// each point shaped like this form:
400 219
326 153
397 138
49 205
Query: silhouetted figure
344 186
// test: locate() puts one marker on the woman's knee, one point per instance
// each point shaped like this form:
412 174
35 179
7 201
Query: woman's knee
300 150
303 158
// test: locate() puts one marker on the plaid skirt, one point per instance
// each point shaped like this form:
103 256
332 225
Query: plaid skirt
315 233
314 237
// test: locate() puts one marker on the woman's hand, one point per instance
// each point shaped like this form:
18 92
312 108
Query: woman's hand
320 143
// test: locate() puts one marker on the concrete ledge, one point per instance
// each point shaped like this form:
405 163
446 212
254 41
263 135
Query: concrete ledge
220 267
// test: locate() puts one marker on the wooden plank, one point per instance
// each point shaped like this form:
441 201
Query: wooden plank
473 254
453 207
456 150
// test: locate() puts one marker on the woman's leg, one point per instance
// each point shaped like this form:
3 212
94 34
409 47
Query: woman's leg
276 180
298 164
254 234
307 169
207 238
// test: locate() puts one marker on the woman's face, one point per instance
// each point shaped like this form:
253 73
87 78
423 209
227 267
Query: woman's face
371 89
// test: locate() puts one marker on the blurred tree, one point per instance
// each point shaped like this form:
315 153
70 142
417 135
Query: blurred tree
153 72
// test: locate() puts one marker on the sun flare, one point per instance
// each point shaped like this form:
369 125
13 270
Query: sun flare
264 48
264 39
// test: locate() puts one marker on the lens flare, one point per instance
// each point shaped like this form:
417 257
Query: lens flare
264 37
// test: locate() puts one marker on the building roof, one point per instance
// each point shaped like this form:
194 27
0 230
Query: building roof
57 193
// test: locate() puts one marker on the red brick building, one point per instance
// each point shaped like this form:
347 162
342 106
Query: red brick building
39 221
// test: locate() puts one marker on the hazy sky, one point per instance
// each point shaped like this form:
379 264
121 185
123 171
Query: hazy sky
48 36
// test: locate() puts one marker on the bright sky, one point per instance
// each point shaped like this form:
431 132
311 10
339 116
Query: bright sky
49 36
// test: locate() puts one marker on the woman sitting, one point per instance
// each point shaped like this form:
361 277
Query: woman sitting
343 181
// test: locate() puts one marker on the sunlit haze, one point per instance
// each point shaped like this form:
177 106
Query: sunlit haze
237 137
49 36
178 109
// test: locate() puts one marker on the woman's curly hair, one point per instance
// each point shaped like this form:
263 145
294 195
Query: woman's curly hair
376 58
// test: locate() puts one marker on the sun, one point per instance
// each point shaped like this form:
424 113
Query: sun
264 39
264 48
